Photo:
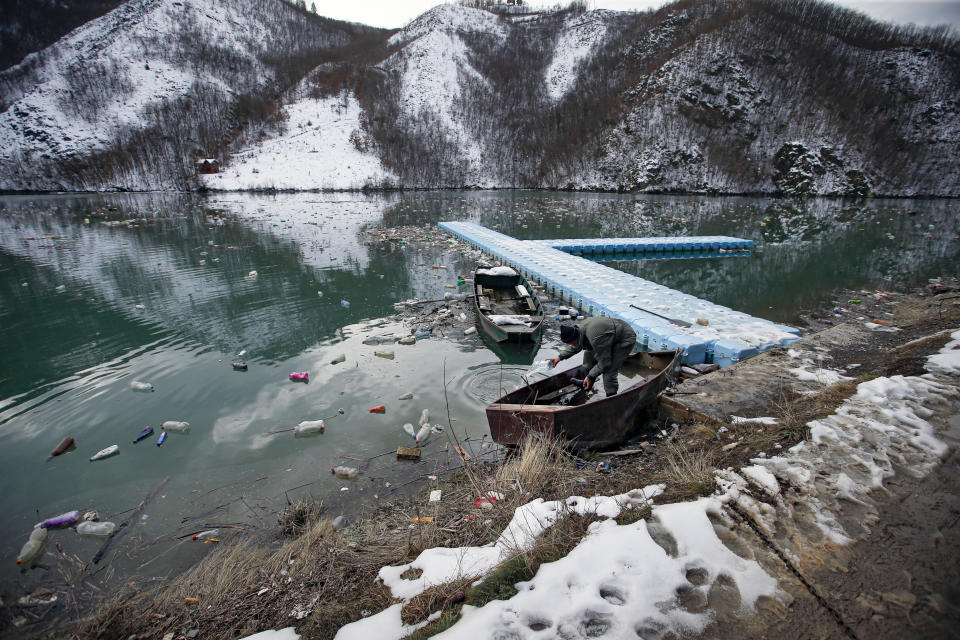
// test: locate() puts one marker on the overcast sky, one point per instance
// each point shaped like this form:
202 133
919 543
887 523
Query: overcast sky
397 13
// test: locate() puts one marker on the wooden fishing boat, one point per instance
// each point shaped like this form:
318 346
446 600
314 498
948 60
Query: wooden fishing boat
507 308
557 406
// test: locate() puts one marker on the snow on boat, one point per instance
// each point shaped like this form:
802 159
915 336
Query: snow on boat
506 307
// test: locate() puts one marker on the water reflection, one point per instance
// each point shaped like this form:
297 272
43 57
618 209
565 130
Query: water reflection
160 288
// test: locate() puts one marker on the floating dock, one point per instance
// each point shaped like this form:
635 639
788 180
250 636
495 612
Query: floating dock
716 333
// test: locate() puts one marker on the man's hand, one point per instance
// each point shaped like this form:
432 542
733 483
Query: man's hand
587 383
553 362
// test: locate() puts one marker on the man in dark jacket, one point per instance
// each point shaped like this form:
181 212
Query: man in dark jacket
605 342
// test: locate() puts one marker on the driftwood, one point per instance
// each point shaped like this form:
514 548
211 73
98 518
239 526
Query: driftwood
123 526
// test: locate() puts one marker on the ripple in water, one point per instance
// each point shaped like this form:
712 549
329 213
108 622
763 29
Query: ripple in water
487 382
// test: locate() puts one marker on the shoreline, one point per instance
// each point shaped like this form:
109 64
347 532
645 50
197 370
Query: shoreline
389 537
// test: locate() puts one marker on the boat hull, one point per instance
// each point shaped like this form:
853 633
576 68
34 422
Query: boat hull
601 424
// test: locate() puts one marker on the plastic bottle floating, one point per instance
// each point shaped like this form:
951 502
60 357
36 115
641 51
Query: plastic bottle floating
300 376
340 358
345 472
67 444
380 409
145 433
33 548
96 529
162 439
308 428
62 520
423 434
175 426
239 366
137 385
206 535
112 450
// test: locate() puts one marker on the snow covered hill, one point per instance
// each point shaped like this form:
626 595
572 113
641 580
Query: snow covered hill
751 96
151 78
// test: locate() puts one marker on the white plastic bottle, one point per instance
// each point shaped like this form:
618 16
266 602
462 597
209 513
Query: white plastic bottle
106 453
345 472
424 434
175 426
136 385
424 417
308 428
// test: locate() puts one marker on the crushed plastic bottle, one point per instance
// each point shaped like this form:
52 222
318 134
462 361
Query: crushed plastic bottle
300 376
145 433
33 548
308 427
96 529
175 426
384 354
137 385
345 472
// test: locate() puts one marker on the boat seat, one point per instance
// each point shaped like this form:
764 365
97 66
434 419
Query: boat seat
479 290
483 303
530 305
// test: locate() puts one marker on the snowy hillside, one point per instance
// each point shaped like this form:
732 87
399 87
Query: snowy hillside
790 97
106 84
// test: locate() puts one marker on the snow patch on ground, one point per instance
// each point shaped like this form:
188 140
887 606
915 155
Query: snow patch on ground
580 34
318 151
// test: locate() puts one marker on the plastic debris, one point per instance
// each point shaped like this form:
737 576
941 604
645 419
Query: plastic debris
112 450
406 396
162 439
175 426
421 519
239 366
435 495
308 427
469 331
145 433
137 385
139 307
384 354
339 522
205 535
338 359
380 409
65 445
96 529
345 304
62 520
703 322
423 435
345 472
61 289
300 376
33 548
407 340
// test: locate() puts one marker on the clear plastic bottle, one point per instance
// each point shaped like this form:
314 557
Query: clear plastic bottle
175 426
424 417
96 529
308 427
424 434
345 472
34 547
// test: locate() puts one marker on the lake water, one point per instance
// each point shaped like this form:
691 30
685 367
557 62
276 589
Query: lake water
69 354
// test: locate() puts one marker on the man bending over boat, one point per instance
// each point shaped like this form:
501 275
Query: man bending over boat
605 342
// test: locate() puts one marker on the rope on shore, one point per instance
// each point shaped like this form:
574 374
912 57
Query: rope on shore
796 572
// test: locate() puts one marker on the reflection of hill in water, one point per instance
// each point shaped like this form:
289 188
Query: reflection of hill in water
156 260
